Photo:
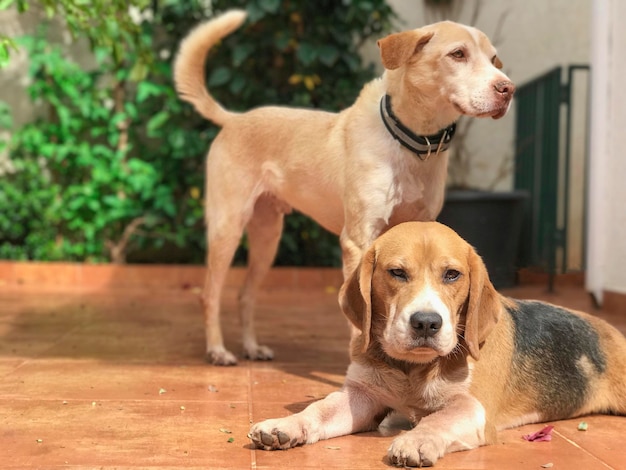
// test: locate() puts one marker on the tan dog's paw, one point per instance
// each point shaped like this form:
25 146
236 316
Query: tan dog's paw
258 353
416 449
221 357
276 434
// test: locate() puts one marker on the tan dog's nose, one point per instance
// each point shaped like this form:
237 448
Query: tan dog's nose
505 88
426 324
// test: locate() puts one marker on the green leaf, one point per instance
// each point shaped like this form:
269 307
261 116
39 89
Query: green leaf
6 118
241 52
139 72
255 13
219 76
6 44
328 55
156 122
4 4
237 84
270 6
306 53
147 89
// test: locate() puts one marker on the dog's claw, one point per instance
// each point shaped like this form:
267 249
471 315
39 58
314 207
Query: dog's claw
410 462
259 353
221 358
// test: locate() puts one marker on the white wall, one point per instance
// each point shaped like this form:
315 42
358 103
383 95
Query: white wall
607 201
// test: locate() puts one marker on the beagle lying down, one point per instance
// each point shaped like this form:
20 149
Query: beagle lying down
437 343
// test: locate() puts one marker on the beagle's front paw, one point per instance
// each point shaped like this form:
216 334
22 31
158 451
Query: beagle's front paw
274 434
416 448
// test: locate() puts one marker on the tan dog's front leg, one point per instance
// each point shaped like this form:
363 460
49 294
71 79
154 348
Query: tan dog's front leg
344 412
458 426
355 240
350 255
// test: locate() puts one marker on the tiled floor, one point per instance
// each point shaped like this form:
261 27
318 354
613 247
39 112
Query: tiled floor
115 378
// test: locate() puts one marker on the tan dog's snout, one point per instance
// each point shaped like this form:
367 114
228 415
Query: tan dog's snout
425 324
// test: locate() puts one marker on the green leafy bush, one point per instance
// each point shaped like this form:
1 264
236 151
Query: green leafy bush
114 171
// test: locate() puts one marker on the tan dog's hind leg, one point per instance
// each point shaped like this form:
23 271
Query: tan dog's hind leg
458 426
264 231
344 412
230 197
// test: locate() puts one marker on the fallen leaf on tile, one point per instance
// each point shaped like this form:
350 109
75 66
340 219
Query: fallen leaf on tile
39 441
231 439
162 391
333 447
547 465
544 435
226 431
582 426
182 408
213 389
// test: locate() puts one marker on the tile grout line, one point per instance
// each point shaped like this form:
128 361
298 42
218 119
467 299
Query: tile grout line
253 464
575 444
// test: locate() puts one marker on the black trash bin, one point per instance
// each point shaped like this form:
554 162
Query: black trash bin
491 222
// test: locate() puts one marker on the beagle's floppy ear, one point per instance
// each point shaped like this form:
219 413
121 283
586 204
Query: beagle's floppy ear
355 297
484 306
396 49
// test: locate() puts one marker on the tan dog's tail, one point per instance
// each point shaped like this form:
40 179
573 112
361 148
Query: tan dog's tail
189 66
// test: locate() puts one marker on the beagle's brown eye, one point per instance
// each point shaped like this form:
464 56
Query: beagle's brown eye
451 275
399 274
458 54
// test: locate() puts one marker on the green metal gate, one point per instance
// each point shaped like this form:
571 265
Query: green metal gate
543 167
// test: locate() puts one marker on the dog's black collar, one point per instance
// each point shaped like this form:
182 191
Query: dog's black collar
423 146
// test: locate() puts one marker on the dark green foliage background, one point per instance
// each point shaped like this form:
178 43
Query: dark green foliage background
93 164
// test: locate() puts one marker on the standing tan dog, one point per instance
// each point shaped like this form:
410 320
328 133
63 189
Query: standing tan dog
380 162
438 344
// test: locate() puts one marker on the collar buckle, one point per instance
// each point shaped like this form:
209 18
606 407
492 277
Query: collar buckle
420 145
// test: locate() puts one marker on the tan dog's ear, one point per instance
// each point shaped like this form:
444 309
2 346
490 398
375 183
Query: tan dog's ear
496 62
396 49
483 306
355 297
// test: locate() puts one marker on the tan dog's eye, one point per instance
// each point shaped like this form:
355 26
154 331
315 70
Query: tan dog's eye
458 54
399 274
451 275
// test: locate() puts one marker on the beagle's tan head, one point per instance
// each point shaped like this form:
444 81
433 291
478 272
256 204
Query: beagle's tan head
421 292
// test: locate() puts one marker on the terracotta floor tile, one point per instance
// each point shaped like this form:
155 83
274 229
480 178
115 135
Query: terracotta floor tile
140 433
604 437
514 453
89 380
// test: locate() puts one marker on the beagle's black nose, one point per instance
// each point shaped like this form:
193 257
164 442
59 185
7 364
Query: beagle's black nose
426 324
